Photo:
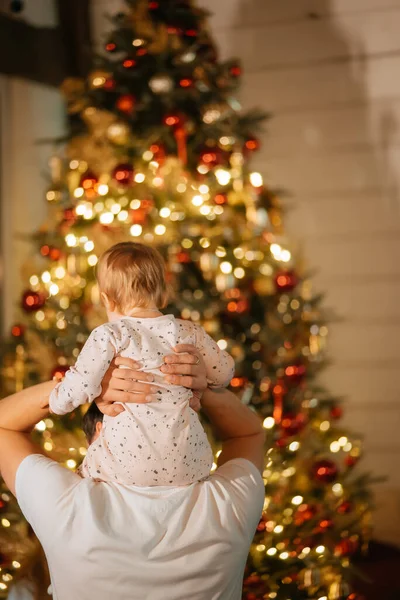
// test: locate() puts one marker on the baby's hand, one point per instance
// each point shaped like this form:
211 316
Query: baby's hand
195 401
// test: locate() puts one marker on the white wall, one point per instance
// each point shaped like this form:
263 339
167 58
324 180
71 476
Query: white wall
329 72
29 112
332 84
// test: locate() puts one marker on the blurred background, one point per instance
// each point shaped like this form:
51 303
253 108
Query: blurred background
327 72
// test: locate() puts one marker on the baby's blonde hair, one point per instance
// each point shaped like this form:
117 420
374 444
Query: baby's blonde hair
132 275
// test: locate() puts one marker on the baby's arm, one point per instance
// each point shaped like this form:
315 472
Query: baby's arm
220 365
82 383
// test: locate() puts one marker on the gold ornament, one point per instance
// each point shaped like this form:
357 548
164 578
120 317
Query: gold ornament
339 590
98 78
264 286
118 133
161 84
73 89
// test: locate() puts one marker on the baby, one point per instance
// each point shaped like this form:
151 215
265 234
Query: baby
153 444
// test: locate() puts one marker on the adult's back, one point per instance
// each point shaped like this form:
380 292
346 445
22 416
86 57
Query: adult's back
106 541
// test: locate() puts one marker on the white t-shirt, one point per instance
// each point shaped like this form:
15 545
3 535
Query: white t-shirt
108 541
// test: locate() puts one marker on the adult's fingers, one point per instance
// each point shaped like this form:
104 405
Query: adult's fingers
127 362
128 397
184 380
178 369
183 358
127 385
129 374
186 348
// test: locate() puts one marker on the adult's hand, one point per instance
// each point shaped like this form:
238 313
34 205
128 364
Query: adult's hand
186 367
123 385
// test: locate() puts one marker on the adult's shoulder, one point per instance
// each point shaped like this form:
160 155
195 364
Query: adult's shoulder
240 481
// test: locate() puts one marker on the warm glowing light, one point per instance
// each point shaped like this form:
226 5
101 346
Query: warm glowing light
71 240
106 218
223 344
16 564
181 188
265 269
214 466
343 440
226 267
46 277
88 246
140 177
205 210
135 204
269 423
256 179
136 230
115 209
260 548
92 260
335 447
239 272
337 489
223 176
34 280
48 446
78 192
123 215
54 289
272 551
297 500
165 212
325 425
103 189
59 272
186 243
160 229
204 189
5 523
197 200
278 529
285 256
284 555
71 464
294 446
41 426
320 549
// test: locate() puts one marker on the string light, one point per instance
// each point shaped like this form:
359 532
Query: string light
272 551
223 344
325 425
297 500
226 267
136 230
223 177
256 179
92 261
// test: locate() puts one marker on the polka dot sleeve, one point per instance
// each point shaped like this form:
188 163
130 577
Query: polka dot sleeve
219 364
82 383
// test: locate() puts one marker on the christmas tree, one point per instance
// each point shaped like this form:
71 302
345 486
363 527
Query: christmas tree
158 150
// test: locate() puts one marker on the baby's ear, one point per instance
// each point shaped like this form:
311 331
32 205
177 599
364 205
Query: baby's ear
109 304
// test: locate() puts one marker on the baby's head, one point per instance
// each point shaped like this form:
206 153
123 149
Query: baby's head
132 275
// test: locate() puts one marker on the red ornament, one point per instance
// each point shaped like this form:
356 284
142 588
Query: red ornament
109 84
324 471
221 199
191 32
304 513
261 525
295 373
345 507
126 103
292 423
59 371
69 216
350 461
325 524
129 63
123 174
187 82
251 145
286 281
111 47
345 548
88 180
138 216
17 330
235 70
238 382
336 412
32 301
159 152
211 157
55 254
154 5
183 257
173 120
